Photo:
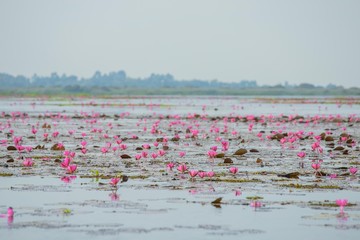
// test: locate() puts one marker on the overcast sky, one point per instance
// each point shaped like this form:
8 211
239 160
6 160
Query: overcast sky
271 41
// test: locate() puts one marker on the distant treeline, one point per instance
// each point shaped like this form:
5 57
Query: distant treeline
156 84
115 79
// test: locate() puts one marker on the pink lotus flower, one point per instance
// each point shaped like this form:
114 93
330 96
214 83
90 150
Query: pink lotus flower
28 148
20 148
316 166
104 150
193 173
211 153
353 170
161 152
9 214
156 144
193 191
225 145
146 146
3 142
214 148
55 134
202 174
66 153
17 140
83 143
71 168
233 170
182 154
65 163
114 181
341 203
333 176
138 156
144 154
238 192
301 154
123 146
210 174
182 168
134 136
28 162
170 166
154 155
316 147
317 138
83 150
34 131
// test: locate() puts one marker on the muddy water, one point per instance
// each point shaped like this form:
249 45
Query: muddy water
156 202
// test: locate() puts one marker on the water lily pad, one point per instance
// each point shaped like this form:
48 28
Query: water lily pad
290 175
254 198
217 202
277 136
56 147
220 155
39 147
46 126
344 135
329 139
11 148
240 151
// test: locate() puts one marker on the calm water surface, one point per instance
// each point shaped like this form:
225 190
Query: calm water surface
167 205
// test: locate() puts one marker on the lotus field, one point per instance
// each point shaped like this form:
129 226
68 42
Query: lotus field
179 168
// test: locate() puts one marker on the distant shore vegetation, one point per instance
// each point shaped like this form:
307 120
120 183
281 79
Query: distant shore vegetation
118 83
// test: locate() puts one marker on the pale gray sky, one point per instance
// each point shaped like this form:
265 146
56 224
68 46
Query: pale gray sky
271 41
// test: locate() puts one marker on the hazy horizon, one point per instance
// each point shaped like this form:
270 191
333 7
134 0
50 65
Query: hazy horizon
268 41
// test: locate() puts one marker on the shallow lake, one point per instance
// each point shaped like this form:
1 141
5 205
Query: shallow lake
273 194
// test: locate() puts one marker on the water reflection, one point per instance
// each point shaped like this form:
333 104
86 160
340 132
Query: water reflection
342 217
10 220
256 204
114 196
9 215
67 179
